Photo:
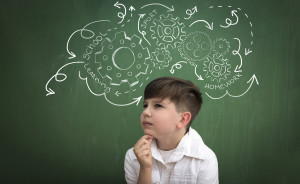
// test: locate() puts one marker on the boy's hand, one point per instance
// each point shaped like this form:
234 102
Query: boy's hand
142 150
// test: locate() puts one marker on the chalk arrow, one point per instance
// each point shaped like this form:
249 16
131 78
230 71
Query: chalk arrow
55 76
131 9
251 81
120 14
67 46
199 76
247 51
169 9
140 17
209 26
135 101
176 65
142 32
117 93
237 69
117 4
50 91
237 52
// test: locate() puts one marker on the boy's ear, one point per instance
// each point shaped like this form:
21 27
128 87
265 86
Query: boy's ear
185 119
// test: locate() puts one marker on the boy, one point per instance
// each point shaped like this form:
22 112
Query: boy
170 151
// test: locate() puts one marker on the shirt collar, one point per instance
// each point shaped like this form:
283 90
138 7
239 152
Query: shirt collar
191 145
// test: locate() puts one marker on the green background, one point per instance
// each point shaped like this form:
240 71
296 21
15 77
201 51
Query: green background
76 137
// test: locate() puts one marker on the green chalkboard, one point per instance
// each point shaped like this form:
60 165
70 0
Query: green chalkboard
73 75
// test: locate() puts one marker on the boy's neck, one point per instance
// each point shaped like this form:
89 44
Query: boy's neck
169 143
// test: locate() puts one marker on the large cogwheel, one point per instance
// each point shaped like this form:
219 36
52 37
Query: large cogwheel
221 46
196 47
160 58
123 59
217 68
167 31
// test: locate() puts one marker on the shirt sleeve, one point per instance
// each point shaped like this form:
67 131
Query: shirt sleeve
131 176
209 171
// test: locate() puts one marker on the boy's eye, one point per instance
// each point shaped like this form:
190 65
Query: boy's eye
145 106
158 105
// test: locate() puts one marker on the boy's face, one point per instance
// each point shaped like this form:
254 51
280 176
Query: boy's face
159 118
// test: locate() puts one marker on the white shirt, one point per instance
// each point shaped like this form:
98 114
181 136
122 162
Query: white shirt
192 162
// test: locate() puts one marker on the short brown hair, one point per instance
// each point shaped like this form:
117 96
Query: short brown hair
183 93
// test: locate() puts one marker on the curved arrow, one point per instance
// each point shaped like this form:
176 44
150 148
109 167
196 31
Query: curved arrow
49 90
176 65
81 34
217 98
79 30
67 46
229 21
251 81
120 14
209 26
199 76
135 100
169 9
140 17
247 51
84 28
190 12
237 52
143 33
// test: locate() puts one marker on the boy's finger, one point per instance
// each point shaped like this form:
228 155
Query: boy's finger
140 141
144 139
149 139
142 153
141 148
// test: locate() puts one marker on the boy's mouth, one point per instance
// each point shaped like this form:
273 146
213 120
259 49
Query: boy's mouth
146 123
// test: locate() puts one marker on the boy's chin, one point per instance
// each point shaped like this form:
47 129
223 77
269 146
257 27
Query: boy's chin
147 132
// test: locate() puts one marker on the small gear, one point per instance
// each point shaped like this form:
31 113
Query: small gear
196 47
123 59
167 31
221 46
217 68
160 58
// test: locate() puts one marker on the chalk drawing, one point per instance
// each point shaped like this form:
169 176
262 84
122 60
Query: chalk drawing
115 66
191 12
168 31
121 15
229 22
160 58
115 61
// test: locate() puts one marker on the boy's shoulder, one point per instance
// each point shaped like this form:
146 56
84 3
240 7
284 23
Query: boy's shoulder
193 145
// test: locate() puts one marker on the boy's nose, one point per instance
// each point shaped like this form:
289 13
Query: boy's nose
146 113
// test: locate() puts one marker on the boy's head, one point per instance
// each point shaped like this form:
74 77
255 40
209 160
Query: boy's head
184 94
